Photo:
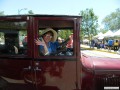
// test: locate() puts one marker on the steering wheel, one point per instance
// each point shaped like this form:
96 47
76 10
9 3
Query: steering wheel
62 50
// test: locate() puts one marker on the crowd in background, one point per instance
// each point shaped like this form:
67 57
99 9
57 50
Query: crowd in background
110 44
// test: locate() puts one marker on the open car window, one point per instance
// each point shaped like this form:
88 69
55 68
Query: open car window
63 46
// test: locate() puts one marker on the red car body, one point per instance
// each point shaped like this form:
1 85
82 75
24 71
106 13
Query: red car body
22 68
100 72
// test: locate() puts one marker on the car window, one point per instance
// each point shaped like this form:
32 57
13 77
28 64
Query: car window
63 43
13 38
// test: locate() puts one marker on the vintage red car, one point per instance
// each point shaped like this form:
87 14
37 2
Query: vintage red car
22 67
100 72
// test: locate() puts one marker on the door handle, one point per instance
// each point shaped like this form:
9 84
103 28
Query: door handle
37 69
29 68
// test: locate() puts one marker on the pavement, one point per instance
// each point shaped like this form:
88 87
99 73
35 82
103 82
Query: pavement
86 47
99 52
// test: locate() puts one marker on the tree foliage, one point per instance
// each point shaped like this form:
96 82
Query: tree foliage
112 21
64 33
1 12
30 12
102 30
89 23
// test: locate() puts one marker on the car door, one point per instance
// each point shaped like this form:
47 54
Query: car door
58 71
15 54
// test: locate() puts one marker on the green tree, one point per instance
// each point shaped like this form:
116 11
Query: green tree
1 12
89 23
102 30
112 21
30 12
65 33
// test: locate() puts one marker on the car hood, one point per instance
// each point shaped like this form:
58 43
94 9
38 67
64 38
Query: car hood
100 63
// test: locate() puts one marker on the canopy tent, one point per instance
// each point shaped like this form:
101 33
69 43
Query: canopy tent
99 35
109 34
117 33
85 40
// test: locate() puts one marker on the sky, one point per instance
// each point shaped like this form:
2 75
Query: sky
101 8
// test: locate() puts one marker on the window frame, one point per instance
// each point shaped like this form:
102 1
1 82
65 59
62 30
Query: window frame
28 23
47 58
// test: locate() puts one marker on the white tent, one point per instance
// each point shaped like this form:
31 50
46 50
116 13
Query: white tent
109 34
117 33
99 35
85 40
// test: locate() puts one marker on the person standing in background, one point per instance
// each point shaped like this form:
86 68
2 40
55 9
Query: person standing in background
70 42
110 44
116 45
